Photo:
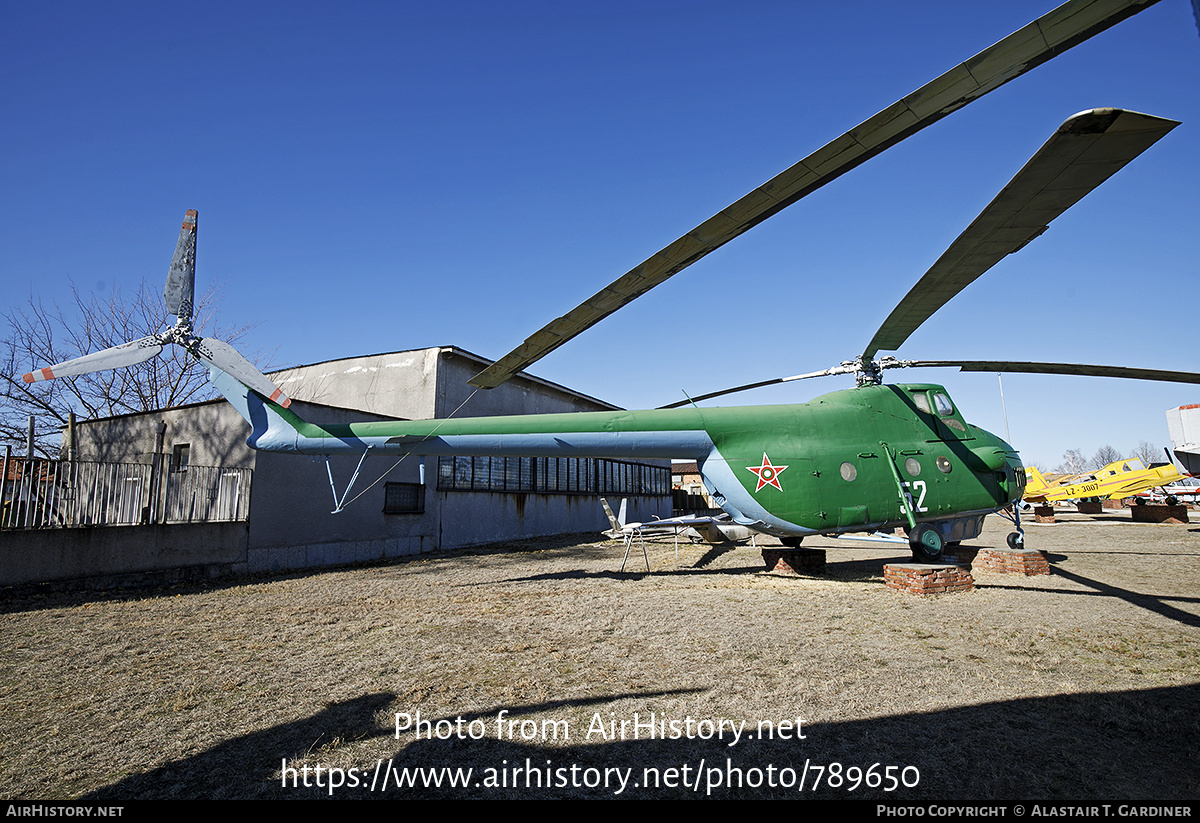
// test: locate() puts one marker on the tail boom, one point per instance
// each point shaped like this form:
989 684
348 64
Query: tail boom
620 434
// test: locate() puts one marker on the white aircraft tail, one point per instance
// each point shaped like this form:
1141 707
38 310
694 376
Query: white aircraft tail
616 521
1183 424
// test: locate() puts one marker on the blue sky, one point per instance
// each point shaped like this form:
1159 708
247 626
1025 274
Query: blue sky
382 176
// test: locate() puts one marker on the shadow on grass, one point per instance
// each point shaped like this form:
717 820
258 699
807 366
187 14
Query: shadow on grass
1150 602
70 593
1120 745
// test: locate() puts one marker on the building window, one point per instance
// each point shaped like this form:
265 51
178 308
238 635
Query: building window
403 498
179 457
552 475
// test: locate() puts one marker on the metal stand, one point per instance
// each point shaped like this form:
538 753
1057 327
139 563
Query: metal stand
339 503
629 542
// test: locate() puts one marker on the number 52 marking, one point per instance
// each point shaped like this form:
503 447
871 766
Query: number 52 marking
919 487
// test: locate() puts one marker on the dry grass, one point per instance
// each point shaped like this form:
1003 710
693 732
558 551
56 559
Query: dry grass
1082 684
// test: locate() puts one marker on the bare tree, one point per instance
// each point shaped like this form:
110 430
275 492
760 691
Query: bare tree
1073 462
1104 455
41 336
1148 453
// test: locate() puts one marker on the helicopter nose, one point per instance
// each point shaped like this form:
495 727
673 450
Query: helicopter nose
1014 478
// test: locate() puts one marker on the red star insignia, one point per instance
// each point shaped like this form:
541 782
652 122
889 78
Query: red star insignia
768 475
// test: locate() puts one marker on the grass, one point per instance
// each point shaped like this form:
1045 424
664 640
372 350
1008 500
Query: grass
1083 683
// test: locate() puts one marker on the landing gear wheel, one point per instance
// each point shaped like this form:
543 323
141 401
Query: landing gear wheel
926 544
1016 541
1172 500
791 542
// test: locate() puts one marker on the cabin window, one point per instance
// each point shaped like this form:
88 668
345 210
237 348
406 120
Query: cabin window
944 465
849 472
912 466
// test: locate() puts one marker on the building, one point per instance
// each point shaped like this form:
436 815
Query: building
394 507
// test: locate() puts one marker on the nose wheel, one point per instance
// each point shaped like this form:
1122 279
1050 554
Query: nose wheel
1016 540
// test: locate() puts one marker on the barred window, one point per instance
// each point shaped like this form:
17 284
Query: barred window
403 498
552 475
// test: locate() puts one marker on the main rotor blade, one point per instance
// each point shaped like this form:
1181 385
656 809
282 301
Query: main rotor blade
1051 34
180 291
1085 151
843 369
1062 368
226 358
126 354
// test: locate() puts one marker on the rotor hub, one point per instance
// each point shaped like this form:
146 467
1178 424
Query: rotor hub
867 372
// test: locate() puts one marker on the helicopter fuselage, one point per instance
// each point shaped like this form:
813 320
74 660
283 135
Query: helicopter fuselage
857 459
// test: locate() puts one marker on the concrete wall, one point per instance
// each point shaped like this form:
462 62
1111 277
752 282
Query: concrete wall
214 431
291 504
48 555
291 524
396 384
473 518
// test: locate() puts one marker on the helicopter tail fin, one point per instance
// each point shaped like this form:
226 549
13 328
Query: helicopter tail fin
273 427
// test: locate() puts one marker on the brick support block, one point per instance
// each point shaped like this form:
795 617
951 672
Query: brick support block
1008 561
1043 514
928 578
794 561
1090 507
1159 513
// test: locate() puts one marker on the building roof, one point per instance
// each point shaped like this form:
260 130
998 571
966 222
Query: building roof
482 362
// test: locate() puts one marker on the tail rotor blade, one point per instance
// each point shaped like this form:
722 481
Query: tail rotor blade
225 357
181 278
126 354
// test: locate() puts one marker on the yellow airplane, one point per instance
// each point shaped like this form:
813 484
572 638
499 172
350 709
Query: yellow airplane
1123 478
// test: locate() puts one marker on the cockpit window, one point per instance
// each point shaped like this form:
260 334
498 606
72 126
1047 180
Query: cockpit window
944 407
921 400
